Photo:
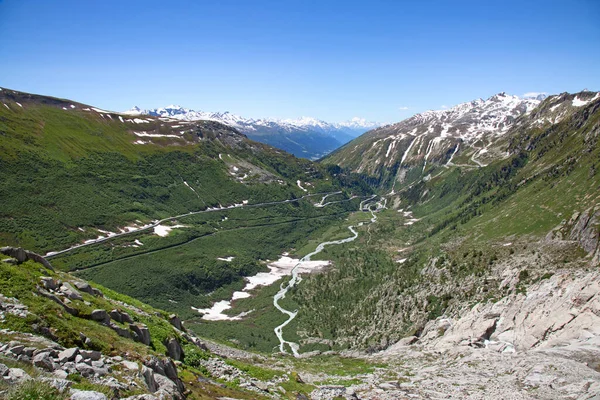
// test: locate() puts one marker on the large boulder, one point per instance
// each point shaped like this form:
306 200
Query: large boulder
174 349
100 315
176 322
43 360
140 333
68 355
86 395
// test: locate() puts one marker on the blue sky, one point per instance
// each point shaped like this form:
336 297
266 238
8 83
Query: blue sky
381 60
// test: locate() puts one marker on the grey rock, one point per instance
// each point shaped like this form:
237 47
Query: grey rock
60 384
50 283
22 255
170 369
98 364
58 301
130 365
60 374
116 315
23 358
407 341
16 350
148 376
68 355
17 375
260 385
3 370
174 349
167 385
155 365
28 351
176 322
78 358
140 333
85 370
90 354
100 371
86 395
70 292
120 331
121 316
43 360
100 315
84 287
51 351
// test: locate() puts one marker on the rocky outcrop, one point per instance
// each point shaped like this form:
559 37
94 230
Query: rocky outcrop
140 333
174 349
558 311
22 255
584 228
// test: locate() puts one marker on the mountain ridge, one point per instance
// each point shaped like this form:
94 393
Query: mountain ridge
306 137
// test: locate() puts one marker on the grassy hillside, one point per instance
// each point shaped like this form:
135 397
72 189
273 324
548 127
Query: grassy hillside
72 173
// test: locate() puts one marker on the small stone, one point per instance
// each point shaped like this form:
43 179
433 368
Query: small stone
78 358
60 384
49 283
261 385
70 292
84 287
3 370
98 364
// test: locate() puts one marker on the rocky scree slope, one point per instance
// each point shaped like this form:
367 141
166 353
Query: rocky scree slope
304 137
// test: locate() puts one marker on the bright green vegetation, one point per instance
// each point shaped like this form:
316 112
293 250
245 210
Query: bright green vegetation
33 389
71 174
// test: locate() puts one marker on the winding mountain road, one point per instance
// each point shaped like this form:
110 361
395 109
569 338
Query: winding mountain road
158 222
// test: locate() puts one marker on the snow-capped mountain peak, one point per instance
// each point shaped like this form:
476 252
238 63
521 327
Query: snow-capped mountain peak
293 135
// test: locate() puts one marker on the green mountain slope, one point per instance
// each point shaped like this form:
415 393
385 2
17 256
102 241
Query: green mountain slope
454 239
72 173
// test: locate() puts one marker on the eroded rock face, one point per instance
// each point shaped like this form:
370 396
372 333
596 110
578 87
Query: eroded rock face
584 228
558 311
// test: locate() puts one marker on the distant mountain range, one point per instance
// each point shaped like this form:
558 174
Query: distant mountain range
304 137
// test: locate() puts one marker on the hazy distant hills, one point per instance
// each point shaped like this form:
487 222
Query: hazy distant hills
304 137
